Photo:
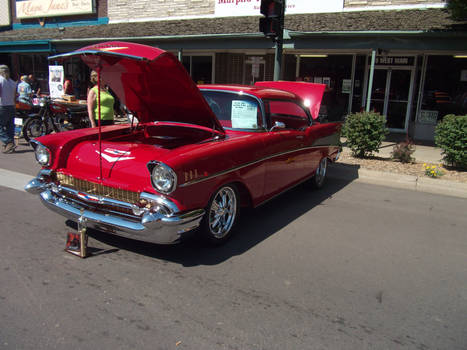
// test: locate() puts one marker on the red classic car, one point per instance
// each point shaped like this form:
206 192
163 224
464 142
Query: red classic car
193 156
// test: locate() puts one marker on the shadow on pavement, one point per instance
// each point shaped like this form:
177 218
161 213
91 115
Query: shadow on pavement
255 226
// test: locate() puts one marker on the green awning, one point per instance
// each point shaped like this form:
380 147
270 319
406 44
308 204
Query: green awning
26 46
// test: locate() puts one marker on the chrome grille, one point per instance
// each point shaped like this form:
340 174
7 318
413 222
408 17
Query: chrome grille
98 189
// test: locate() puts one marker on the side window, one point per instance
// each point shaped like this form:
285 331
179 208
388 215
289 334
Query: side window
289 113
235 111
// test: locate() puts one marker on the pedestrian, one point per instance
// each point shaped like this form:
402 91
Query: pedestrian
35 85
106 102
68 86
7 110
24 91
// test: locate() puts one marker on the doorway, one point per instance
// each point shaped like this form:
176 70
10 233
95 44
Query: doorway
392 95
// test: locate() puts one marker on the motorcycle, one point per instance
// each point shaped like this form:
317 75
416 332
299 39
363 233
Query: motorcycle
55 117
24 111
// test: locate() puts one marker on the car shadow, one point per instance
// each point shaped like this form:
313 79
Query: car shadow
254 226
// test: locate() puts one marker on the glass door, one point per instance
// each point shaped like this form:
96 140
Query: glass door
392 96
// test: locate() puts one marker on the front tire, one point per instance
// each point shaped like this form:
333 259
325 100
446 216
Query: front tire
34 127
319 178
221 215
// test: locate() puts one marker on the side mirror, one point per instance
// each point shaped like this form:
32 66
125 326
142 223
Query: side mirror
278 125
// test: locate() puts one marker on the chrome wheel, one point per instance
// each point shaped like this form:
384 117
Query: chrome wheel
222 212
320 174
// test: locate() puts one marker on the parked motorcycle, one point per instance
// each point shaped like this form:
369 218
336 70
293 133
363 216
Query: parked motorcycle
24 111
55 116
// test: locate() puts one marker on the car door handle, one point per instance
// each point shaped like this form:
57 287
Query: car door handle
300 137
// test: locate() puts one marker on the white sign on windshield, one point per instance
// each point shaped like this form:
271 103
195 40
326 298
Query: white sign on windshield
244 115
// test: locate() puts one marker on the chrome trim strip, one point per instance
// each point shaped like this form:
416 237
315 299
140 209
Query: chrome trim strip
192 182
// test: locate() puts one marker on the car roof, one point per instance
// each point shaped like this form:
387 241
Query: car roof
260 92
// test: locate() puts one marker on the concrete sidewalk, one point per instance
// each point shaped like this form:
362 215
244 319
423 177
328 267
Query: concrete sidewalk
422 154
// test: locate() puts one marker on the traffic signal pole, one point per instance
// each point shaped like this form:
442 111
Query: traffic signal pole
278 49
272 25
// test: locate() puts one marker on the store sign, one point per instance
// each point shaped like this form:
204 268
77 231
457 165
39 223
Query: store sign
428 117
346 86
50 8
394 61
228 8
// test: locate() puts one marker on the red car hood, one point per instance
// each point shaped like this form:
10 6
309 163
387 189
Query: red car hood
124 165
148 81
311 93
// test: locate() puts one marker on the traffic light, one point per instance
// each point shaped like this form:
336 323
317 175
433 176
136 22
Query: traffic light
272 22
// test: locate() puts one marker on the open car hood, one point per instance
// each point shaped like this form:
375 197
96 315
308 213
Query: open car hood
149 81
311 93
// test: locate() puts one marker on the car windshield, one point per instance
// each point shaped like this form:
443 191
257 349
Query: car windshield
235 111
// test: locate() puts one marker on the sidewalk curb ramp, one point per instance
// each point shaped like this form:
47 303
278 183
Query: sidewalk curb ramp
409 182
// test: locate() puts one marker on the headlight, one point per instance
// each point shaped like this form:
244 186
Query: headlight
42 102
163 178
42 154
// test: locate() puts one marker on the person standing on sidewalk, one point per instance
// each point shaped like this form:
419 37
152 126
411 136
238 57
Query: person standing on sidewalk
7 110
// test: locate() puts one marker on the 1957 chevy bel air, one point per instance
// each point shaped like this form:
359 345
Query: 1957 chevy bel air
192 157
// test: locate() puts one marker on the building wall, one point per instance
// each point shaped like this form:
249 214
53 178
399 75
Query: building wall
130 10
101 11
369 3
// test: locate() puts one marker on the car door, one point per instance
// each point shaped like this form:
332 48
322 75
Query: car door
289 158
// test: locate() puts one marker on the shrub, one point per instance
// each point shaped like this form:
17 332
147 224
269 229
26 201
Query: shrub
403 152
365 132
451 137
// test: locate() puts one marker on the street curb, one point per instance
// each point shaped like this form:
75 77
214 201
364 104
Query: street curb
410 182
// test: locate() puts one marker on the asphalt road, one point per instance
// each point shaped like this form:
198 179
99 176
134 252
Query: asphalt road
353 266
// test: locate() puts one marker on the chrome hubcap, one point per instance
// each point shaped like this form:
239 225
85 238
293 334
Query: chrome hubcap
222 212
321 171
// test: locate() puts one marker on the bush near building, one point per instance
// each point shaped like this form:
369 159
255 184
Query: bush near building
364 132
451 137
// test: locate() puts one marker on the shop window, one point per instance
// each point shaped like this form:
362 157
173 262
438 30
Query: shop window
334 71
199 68
445 90
36 64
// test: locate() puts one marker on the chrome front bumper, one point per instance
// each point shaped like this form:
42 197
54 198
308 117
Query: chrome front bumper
163 224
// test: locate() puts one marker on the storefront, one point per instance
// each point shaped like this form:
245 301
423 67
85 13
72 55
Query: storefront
412 75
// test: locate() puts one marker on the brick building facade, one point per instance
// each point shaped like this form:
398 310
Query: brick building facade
394 56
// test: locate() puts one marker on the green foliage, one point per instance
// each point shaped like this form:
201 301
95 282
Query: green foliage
451 137
403 152
364 132
458 9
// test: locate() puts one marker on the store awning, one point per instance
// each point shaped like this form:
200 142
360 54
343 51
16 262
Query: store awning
26 46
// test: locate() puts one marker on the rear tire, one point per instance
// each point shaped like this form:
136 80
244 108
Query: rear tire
34 127
319 178
221 215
